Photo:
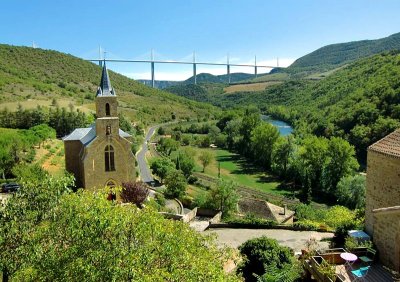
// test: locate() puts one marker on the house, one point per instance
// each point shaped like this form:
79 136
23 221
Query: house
382 211
101 155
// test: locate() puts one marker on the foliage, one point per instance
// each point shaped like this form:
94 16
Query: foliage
290 272
175 183
282 152
334 55
351 191
42 75
333 217
223 197
206 158
263 138
21 217
351 243
341 162
357 103
82 236
135 193
327 270
251 219
167 146
306 224
262 253
63 121
161 167
185 162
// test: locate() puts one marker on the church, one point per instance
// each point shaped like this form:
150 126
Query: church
101 155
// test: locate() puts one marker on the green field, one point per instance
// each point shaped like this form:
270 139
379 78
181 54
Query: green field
237 169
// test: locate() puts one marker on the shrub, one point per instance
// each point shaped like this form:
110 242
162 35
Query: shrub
306 224
260 254
134 192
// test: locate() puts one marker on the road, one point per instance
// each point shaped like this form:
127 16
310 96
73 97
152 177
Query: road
144 169
234 237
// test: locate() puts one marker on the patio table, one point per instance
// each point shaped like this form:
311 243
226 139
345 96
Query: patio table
349 258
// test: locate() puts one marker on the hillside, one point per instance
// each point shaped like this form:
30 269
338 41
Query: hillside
32 77
360 102
223 78
334 55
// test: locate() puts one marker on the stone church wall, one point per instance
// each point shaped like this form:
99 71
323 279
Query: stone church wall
72 162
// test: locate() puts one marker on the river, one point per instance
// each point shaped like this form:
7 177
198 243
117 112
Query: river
284 128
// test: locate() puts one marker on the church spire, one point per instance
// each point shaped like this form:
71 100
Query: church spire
105 88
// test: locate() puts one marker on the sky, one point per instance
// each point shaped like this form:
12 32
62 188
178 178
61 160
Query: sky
174 29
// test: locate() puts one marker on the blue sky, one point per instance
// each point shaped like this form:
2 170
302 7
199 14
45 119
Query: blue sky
287 29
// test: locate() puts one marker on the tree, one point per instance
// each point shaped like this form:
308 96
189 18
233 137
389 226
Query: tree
167 145
282 151
135 193
251 120
20 218
161 167
176 184
206 158
223 197
261 254
350 191
82 236
232 130
341 162
263 138
313 154
185 161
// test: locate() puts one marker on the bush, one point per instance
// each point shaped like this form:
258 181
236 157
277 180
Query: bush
253 220
260 254
192 179
135 193
306 224
160 199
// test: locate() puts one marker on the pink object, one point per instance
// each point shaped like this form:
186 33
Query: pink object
349 257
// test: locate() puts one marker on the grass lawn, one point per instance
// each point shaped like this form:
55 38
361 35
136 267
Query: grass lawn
235 168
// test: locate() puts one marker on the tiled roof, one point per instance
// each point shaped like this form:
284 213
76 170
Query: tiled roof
388 145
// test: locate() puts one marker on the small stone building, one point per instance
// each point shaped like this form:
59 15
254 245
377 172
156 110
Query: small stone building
101 155
382 211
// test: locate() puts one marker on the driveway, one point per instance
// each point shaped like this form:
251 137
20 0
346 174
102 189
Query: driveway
234 237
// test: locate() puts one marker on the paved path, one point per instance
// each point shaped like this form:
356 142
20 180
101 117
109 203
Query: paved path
234 237
144 169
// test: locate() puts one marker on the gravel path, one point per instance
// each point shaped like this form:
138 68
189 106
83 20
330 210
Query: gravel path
234 237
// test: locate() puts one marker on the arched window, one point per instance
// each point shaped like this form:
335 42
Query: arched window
109 158
107 109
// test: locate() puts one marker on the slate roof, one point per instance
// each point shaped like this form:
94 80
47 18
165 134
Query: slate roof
105 88
86 135
388 145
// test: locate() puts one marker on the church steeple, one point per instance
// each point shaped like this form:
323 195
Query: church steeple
105 88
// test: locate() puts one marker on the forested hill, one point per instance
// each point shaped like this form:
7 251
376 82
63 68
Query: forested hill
360 102
332 56
36 77
223 78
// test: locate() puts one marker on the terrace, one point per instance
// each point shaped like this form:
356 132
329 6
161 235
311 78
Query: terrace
330 266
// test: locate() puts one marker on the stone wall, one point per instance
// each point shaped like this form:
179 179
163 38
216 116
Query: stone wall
386 237
95 175
383 185
383 190
72 161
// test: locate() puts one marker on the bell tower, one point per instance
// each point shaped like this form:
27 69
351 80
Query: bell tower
107 122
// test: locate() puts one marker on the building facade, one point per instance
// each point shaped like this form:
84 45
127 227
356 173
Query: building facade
382 211
101 155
